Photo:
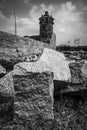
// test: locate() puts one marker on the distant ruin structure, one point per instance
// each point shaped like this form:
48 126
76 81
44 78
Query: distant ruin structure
46 27
46 30
46 33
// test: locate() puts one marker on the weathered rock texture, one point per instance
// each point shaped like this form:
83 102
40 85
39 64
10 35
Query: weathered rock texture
14 49
78 72
33 96
57 64
6 85
25 98
51 61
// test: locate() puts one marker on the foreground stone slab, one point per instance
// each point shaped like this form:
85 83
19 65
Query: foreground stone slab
33 96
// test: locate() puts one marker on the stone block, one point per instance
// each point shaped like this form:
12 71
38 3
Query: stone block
33 96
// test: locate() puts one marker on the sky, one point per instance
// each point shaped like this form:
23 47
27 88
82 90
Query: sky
70 18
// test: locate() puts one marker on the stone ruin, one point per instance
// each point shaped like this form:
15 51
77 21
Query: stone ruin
46 33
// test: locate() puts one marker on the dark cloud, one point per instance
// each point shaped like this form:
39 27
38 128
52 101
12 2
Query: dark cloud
2 1
23 6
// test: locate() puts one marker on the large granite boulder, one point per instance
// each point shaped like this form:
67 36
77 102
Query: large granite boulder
50 60
33 96
78 77
57 64
76 74
14 49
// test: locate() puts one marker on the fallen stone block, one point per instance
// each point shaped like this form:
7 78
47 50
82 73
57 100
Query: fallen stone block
33 96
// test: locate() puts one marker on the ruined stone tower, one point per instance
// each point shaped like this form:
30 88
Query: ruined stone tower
46 27
46 33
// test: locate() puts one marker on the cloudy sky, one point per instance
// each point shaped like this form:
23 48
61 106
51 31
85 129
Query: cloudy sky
70 18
